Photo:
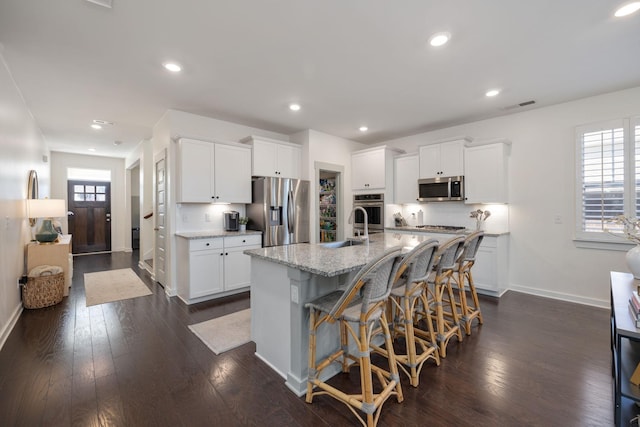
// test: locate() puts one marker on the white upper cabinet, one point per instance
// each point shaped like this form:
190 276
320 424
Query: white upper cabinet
486 173
232 174
443 159
274 158
211 172
406 169
368 170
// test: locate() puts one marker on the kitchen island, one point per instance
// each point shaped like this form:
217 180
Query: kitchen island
285 278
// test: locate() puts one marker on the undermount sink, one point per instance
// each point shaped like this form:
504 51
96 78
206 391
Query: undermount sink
342 243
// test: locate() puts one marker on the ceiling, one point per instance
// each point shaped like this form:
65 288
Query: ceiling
347 63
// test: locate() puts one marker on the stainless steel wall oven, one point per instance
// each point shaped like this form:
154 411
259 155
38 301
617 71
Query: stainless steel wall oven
374 205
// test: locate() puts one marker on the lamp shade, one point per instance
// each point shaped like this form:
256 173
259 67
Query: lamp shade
46 208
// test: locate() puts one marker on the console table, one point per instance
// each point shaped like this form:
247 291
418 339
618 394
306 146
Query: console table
57 253
625 348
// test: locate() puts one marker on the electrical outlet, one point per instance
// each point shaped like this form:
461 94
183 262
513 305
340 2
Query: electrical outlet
185 218
557 219
294 294
207 217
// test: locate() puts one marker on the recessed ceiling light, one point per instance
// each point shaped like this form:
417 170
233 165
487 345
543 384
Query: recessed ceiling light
628 9
116 143
294 107
363 128
172 66
492 92
439 39
92 149
96 126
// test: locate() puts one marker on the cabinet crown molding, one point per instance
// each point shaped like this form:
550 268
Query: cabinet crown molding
378 147
480 142
249 140
465 139
210 141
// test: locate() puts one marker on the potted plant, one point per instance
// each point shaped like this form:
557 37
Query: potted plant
243 221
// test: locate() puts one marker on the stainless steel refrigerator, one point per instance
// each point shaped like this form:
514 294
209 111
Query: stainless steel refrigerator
280 209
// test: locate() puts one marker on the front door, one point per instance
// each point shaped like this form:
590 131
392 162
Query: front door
89 215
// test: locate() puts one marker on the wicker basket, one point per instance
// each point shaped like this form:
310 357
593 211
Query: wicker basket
43 291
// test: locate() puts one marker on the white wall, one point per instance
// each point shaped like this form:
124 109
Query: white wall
325 148
61 162
22 148
543 257
142 158
177 124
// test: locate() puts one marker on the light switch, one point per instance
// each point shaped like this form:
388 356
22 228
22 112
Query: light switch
557 219
294 294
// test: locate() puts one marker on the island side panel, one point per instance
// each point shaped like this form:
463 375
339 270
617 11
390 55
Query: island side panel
270 314
307 287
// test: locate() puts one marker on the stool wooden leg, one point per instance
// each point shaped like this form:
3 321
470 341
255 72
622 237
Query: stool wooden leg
393 366
344 342
454 310
410 341
312 354
474 295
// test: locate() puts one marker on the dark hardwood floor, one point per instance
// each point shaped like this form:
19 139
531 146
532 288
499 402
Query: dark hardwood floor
535 362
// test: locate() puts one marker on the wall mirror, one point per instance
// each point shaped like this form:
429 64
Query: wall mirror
32 191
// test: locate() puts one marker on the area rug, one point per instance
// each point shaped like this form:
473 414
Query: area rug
226 332
113 285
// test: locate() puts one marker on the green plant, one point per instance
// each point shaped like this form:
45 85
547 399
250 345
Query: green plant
243 220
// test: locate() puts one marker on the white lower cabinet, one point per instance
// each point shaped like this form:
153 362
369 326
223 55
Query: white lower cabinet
237 266
490 271
214 267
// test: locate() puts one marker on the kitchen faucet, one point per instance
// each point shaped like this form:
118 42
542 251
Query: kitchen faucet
365 236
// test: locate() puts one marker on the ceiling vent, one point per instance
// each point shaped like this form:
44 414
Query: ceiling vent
103 3
522 104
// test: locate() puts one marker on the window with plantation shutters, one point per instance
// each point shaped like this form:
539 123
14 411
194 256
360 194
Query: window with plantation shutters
607 178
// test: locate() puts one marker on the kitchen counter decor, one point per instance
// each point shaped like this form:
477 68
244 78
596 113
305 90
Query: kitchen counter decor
480 216
630 228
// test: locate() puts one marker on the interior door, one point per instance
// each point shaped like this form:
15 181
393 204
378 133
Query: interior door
89 216
159 257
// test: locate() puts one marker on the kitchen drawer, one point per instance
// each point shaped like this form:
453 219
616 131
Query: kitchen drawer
204 244
246 240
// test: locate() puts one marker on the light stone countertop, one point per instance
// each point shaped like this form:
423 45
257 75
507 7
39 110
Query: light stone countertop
207 234
423 231
330 262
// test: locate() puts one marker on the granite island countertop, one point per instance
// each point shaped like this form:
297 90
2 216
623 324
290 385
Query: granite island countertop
424 231
329 262
207 234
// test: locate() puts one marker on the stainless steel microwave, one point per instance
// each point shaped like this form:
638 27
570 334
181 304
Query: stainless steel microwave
441 189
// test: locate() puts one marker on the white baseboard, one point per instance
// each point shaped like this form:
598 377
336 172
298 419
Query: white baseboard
562 296
4 334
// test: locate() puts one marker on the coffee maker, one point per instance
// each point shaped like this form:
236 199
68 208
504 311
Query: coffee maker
231 220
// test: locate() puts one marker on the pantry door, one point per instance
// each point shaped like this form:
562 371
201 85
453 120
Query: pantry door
89 215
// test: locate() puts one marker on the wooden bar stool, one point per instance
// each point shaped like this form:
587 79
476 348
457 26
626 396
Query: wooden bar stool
447 322
464 277
420 344
357 309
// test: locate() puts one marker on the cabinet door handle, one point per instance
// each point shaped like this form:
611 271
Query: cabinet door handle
226 253
244 241
221 254
208 244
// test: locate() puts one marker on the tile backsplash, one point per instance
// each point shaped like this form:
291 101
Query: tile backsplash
198 217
